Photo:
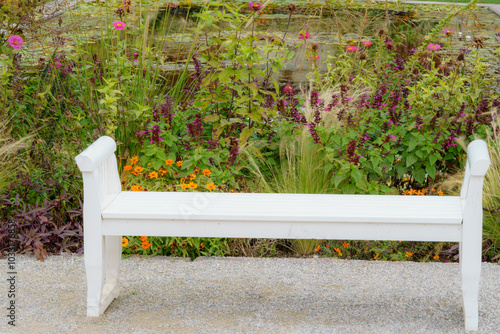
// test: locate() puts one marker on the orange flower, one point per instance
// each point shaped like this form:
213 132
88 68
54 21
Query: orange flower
201 246
143 238
409 254
134 160
337 250
211 186
149 163
146 244
196 170
317 248
345 244
376 255
127 168
184 186
179 163
192 176
137 188
153 175
193 185
169 162
206 172
440 193
137 170
124 242
163 171
436 257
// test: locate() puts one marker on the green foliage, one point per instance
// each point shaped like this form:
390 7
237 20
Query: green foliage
174 246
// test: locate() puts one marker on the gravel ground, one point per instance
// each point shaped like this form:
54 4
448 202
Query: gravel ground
251 295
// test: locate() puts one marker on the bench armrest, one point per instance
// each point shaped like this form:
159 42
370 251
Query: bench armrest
478 157
95 154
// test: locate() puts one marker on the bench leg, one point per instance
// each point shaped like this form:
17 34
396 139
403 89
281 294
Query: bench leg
470 266
102 263
94 265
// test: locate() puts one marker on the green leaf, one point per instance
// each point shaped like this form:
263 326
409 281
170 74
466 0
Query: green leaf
431 170
212 118
401 169
411 159
432 159
245 134
339 178
411 146
419 175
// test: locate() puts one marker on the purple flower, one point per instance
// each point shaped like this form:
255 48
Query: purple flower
15 41
447 32
255 6
119 25
433 47
304 36
289 89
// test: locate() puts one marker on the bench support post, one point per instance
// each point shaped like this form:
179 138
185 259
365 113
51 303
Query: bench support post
472 230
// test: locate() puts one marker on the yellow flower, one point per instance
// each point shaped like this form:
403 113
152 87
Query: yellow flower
127 168
193 185
179 163
153 175
169 162
211 186
134 160
184 186
206 172
136 188
124 242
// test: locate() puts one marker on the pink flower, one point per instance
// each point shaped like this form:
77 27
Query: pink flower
58 63
367 43
119 25
304 37
311 57
289 89
351 48
447 32
255 6
433 47
15 41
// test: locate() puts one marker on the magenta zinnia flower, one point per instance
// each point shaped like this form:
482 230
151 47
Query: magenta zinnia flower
433 47
447 32
255 6
351 48
304 36
15 41
119 25
367 43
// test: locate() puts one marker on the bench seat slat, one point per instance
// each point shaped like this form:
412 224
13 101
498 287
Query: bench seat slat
285 207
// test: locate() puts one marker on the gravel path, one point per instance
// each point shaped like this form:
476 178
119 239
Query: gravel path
252 295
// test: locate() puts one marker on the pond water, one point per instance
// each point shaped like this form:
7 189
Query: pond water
332 28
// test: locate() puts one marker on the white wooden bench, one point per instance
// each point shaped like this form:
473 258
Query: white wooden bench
109 213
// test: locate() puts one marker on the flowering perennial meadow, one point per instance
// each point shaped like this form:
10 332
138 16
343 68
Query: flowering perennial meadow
385 116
